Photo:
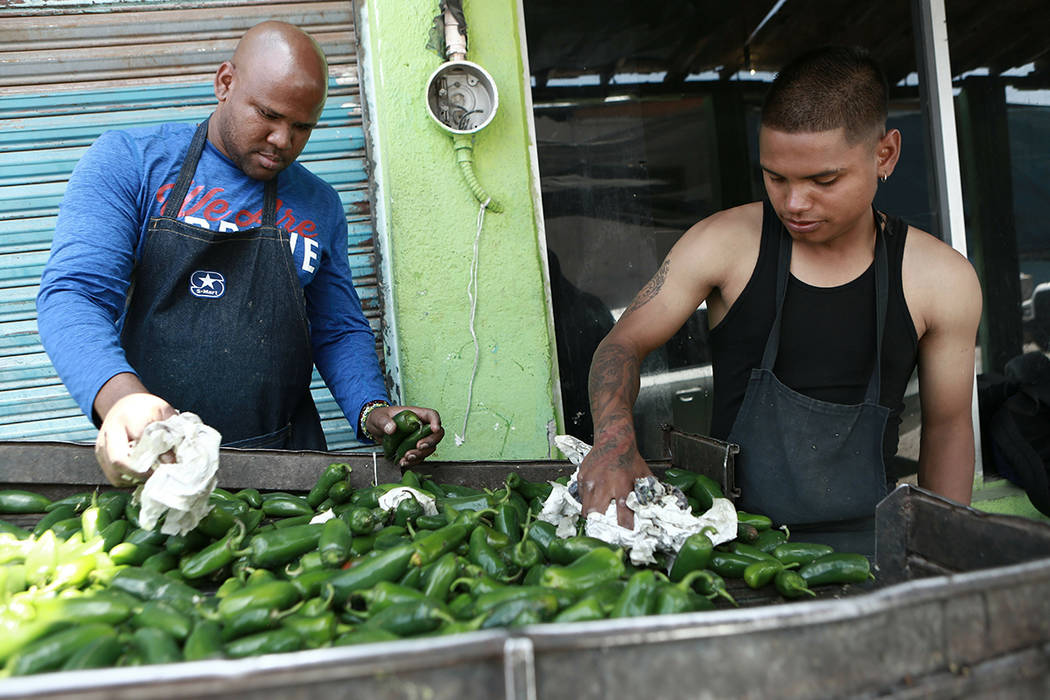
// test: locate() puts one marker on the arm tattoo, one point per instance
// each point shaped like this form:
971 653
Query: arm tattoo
651 289
613 388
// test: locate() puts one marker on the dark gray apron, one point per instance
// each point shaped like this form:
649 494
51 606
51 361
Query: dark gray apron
216 324
813 465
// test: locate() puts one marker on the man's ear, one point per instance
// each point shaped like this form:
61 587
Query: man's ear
223 79
888 152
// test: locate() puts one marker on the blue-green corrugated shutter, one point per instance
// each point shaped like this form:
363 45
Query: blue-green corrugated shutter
72 70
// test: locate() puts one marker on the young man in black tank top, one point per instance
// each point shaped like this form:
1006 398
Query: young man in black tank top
823 150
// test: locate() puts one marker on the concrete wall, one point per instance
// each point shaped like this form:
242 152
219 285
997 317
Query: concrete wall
427 224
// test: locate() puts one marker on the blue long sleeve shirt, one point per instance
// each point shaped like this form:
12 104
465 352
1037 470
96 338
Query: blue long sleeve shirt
120 183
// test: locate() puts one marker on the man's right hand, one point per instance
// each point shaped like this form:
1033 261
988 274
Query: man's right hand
123 426
608 473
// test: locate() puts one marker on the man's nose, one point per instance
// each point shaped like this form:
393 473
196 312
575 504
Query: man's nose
280 136
797 198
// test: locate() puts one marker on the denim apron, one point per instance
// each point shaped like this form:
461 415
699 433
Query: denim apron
814 465
216 324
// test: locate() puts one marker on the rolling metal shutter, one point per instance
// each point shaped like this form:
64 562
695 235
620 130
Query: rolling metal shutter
71 69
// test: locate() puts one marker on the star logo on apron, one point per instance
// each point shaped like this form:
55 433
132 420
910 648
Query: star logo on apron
207 285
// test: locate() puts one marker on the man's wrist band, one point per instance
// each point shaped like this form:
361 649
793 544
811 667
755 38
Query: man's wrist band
365 411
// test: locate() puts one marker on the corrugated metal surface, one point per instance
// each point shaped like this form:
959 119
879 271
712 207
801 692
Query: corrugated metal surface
71 70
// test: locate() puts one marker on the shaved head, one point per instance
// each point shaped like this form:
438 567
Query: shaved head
286 54
271 95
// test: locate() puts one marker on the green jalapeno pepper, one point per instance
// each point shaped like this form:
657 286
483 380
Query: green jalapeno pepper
100 652
674 598
159 615
535 605
801 552
252 497
53 650
213 557
746 533
709 584
638 597
386 593
583 610
438 581
759 522
19 501
275 548
568 549
761 573
596 566
203 641
315 631
406 422
525 554
542 533
411 442
332 474
364 635
429 547
837 568
284 505
334 543
155 646
752 552
768 540
486 556
63 512
271 595
274 641
385 565
507 521
705 490
791 584
406 511
431 522
408 619
729 564
695 553
681 478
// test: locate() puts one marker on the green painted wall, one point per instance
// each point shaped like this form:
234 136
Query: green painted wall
427 223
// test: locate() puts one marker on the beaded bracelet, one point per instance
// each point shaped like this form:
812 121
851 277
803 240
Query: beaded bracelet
365 411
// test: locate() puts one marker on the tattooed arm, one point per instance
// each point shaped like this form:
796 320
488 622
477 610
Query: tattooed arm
701 265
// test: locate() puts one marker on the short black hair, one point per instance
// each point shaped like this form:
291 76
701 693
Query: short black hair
828 88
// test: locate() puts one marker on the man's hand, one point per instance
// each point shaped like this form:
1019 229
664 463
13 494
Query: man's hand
606 474
123 425
381 422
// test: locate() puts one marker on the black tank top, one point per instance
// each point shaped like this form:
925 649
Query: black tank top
827 347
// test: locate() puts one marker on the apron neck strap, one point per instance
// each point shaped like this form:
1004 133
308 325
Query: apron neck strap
189 166
769 356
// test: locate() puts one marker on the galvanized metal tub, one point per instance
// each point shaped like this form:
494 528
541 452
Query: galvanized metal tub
978 628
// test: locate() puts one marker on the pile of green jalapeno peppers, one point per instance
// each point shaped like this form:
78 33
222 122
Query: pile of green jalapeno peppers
87 587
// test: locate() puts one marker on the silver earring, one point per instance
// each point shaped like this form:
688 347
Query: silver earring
884 177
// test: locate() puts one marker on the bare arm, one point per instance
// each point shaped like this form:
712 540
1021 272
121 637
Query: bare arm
695 266
946 376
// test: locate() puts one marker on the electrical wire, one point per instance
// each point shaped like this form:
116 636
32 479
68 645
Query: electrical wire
472 295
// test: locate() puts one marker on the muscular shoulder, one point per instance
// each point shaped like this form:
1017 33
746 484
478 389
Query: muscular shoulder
721 251
940 284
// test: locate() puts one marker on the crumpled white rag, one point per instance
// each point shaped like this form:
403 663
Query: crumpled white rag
181 488
662 522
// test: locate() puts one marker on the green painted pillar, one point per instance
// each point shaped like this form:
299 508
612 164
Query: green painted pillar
427 226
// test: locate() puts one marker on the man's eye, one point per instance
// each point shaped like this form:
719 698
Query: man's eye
826 183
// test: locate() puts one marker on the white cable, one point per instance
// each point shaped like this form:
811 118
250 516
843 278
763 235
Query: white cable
472 294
